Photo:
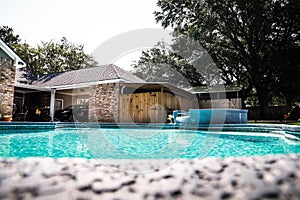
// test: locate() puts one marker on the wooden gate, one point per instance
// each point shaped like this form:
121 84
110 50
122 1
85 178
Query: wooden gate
148 107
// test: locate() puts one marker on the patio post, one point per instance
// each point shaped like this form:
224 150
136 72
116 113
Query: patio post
52 101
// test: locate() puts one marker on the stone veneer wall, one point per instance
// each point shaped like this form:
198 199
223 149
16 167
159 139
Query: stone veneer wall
7 79
104 103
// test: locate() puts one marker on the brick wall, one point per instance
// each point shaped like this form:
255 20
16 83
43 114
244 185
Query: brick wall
7 79
103 103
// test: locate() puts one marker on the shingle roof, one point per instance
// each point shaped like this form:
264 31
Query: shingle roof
86 75
215 88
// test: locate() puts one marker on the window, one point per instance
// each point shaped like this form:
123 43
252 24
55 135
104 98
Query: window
82 101
59 104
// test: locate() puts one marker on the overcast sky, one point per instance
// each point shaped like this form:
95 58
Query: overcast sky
89 22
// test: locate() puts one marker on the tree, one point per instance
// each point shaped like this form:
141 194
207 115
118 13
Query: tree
49 57
163 64
245 38
8 36
30 56
290 76
62 56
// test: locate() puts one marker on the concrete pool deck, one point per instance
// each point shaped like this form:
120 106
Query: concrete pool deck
260 177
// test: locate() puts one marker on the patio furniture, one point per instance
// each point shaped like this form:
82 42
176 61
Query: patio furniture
22 116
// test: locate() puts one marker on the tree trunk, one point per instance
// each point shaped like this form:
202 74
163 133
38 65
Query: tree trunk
243 94
263 106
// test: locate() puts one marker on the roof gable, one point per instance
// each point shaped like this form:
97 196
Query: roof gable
18 62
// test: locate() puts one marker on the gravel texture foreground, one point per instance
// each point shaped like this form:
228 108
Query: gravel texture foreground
268 177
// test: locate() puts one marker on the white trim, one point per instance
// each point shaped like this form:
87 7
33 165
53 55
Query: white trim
64 93
34 87
85 85
80 85
13 55
66 87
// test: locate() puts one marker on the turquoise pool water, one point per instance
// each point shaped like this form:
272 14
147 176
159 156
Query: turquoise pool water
141 144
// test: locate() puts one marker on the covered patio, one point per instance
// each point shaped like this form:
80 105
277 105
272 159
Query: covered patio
40 103
108 102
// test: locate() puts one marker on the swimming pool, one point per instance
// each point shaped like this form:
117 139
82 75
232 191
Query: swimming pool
148 143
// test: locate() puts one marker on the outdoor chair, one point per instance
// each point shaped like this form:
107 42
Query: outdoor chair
22 116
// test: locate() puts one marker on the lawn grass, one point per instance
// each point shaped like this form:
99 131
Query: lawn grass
294 123
274 122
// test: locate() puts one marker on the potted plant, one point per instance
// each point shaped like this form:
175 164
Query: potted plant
7 117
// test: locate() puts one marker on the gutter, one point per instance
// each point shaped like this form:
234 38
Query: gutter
34 87
66 87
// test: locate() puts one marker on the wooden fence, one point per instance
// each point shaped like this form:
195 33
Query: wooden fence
150 107
273 113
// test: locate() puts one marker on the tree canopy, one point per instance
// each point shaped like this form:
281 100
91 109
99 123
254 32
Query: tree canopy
62 56
253 43
163 64
8 36
48 57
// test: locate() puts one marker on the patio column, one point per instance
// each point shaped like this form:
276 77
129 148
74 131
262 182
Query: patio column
52 101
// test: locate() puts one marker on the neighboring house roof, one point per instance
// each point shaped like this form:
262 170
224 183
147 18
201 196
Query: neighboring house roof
81 76
18 62
215 88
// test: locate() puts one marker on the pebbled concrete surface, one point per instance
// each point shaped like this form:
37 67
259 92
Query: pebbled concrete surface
268 177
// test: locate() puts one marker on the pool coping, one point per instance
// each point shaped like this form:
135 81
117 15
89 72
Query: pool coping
257 177
38 126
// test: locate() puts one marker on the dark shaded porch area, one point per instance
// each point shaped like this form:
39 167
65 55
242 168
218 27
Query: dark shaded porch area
34 105
31 105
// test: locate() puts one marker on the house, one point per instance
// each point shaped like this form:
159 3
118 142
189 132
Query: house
112 94
9 62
